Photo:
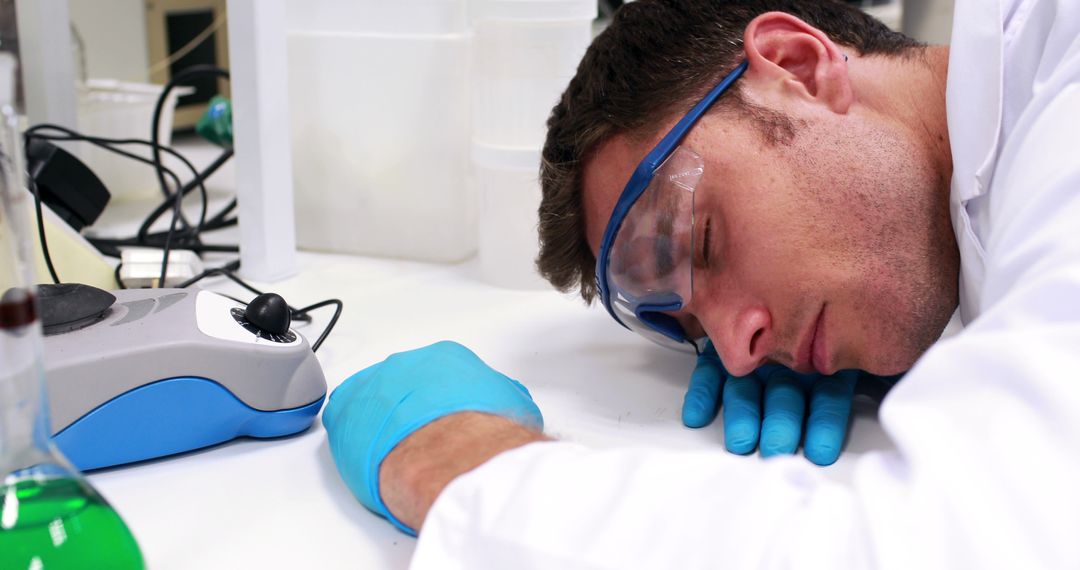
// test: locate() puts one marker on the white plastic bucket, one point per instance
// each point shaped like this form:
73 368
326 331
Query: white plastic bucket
509 192
521 69
378 17
121 110
534 11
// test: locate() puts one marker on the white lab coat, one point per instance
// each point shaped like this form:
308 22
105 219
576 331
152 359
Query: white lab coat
986 472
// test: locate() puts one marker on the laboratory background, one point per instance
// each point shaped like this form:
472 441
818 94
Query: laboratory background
274 194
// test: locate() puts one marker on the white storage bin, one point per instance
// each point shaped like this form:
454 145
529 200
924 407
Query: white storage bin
381 131
121 110
521 68
394 17
509 191
534 10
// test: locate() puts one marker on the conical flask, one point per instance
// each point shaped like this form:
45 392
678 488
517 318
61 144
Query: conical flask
50 516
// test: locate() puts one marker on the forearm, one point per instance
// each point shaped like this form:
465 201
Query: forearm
423 464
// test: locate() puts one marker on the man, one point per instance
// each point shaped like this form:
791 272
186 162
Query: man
830 192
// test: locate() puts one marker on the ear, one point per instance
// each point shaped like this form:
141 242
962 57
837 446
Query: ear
799 59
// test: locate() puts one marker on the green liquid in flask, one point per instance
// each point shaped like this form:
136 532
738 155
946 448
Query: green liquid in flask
56 524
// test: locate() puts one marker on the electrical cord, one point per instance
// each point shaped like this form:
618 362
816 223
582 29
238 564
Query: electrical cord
226 271
176 80
329 326
198 181
299 315
220 217
41 231
110 145
116 273
173 199
155 122
109 246
190 238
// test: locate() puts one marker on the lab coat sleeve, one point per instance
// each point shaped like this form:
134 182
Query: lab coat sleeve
986 472
986 475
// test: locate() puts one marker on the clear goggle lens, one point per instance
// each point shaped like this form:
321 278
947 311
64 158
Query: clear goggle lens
650 264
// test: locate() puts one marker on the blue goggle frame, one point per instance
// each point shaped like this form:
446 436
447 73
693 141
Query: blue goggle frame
650 309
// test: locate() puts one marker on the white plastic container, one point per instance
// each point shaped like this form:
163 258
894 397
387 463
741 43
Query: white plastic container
892 13
379 102
379 17
533 11
520 72
121 110
509 191
525 52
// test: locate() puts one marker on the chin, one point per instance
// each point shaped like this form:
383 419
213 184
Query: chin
888 370
892 363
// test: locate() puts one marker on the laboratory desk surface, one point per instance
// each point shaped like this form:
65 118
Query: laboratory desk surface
281 504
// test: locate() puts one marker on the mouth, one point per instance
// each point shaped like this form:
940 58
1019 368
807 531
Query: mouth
823 361
813 353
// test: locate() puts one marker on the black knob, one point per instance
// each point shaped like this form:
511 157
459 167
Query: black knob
269 312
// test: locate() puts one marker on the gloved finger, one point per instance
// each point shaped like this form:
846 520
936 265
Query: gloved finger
742 413
703 396
830 410
785 408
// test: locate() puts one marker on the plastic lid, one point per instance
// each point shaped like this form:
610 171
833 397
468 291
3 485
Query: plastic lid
7 79
505 157
534 10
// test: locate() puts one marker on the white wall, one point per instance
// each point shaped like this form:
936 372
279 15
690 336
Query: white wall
114 33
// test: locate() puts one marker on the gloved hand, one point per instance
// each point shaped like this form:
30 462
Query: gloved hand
785 405
376 408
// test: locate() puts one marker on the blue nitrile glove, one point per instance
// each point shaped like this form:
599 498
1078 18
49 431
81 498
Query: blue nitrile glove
785 405
376 408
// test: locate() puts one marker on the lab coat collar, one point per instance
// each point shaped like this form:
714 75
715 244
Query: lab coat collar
969 98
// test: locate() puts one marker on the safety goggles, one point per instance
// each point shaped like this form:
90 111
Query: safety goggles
644 269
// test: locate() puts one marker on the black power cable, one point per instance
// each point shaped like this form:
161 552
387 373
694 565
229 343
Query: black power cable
189 238
111 145
198 181
41 231
329 326
176 80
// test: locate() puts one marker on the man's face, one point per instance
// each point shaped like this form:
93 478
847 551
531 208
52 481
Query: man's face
829 251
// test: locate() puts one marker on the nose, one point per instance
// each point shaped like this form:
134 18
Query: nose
741 336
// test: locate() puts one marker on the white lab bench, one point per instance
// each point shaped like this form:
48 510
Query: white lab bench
281 504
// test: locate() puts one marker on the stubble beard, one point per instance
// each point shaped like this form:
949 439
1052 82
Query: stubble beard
883 212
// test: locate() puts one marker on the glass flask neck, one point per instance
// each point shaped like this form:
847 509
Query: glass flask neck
24 417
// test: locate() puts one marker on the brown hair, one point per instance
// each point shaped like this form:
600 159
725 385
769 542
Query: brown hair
659 57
